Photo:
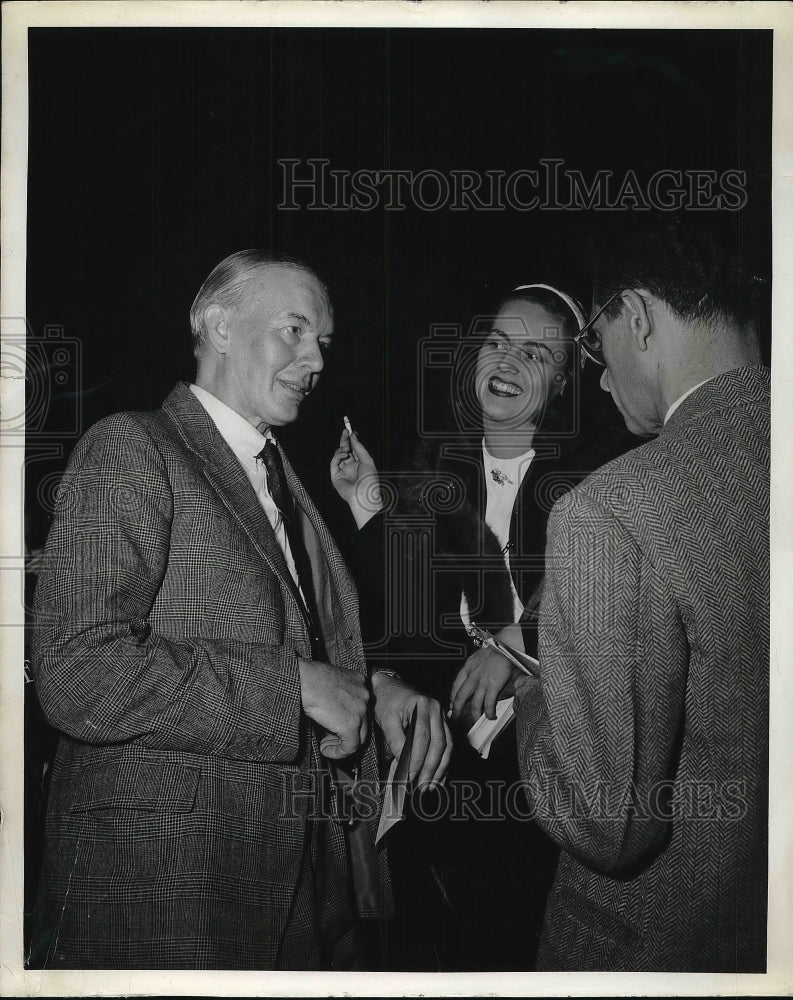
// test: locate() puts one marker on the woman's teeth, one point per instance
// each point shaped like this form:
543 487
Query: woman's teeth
501 388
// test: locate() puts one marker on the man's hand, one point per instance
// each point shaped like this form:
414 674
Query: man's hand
354 477
432 741
485 677
335 699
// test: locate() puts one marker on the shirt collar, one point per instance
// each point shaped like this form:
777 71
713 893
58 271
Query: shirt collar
685 395
243 438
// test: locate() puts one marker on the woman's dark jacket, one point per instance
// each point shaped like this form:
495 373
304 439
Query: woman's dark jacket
413 562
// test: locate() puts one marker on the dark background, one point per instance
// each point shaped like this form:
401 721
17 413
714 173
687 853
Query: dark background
152 155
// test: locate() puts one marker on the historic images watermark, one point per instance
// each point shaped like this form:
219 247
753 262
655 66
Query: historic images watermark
549 186
552 798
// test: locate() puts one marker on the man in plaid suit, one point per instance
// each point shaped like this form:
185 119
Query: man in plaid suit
197 645
643 744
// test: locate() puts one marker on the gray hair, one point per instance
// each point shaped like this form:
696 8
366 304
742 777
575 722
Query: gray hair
227 284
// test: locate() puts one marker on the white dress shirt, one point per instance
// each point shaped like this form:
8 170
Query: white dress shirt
246 443
685 395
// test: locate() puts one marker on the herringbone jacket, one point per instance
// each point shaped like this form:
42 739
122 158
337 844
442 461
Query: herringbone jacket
165 652
644 743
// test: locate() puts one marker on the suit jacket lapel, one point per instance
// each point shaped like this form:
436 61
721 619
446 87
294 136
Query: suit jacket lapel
227 477
337 605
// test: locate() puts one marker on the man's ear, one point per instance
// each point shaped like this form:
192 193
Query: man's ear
638 309
215 320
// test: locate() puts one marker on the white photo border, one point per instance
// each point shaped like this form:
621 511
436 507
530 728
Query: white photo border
17 18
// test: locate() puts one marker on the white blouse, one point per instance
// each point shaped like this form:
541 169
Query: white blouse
503 477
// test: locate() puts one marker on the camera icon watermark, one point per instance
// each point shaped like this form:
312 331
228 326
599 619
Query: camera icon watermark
454 385
42 383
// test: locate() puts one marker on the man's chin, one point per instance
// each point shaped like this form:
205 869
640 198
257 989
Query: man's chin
641 430
281 416
285 417
287 409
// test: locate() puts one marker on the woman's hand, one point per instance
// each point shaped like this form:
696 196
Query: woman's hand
355 478
484 677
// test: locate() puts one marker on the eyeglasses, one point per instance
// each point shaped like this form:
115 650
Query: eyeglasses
591 346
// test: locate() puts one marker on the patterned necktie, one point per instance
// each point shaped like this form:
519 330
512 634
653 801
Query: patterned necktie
270 457
277 486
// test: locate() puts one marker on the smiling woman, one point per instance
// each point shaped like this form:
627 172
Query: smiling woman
516 387
524 366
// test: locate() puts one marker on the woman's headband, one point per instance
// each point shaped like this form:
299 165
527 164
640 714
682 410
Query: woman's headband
575 308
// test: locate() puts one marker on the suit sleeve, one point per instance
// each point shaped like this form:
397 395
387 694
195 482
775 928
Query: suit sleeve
598 731
102 675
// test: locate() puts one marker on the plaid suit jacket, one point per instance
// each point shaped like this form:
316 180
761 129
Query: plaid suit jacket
165 652
644 743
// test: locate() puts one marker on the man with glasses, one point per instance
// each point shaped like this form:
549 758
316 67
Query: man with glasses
643 742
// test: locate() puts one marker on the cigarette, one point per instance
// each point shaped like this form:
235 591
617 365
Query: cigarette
348 425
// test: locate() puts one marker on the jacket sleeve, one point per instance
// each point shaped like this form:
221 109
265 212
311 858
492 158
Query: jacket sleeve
102 675
598 730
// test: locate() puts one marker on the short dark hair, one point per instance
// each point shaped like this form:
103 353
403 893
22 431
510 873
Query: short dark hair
464 408
230 279
691 264
555 306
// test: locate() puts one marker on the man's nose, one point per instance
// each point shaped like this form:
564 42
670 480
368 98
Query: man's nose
311 356
604 381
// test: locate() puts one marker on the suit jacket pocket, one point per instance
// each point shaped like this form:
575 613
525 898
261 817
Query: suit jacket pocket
149 786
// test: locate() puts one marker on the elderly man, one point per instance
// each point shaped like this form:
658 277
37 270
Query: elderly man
197 645
643 742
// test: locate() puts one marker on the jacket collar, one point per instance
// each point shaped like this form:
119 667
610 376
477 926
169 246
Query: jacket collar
226 476
736 388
